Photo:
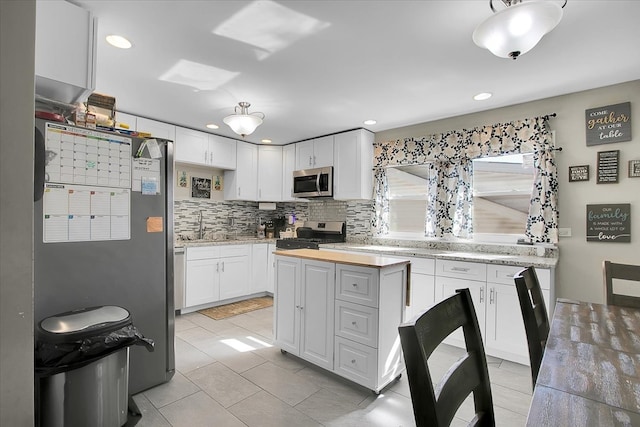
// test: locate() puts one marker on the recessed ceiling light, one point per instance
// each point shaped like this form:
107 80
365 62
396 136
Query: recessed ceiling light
267 141
213 126
118 41
482 96
370 122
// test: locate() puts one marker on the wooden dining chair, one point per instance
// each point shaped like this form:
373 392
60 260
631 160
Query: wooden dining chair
620 271
534 314
420 337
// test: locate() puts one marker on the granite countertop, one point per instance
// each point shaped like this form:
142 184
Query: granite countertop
240 240
472 256
364 259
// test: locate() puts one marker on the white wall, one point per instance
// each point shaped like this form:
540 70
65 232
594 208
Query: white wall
17 47
579 271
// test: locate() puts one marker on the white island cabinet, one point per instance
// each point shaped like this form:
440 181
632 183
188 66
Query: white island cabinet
341 312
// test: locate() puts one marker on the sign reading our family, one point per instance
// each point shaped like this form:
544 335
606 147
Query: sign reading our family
609 223
608 124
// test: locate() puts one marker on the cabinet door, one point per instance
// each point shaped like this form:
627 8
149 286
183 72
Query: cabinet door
242 183
323 152
221 152
446 286
288 166
271 267
156 129
191 146
269 173
128 119
64 73
317 313
259 275
423 290
286 298
202 282
234 277
505 335
352 165
304 155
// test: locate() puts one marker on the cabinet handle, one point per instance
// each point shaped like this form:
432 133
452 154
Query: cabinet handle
223 266
206 156
314 159
310 163
461 269
238 191
217 267
481 295
354 323
355 285
491 297
353 361
211 157
260 193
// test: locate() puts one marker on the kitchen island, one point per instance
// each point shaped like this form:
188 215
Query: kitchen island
341 312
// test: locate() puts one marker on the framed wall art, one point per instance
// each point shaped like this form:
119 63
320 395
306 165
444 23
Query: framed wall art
608 124
634 168
200 187
579 173
608 166
609 223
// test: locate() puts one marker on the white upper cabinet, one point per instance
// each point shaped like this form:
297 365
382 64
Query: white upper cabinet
204 149
353 165
242 183
315 153
191 146
127 119
221 152
269 173
288 166
65 62
156 129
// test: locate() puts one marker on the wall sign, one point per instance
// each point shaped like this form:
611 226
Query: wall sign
608 124
200 188
634 168
579 173
609 223
608 166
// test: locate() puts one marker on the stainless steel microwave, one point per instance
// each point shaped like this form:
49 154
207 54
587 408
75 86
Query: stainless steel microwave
316 182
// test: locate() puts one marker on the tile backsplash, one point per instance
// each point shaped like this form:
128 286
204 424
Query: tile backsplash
216 215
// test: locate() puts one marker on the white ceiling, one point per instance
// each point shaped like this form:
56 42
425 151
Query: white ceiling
398 62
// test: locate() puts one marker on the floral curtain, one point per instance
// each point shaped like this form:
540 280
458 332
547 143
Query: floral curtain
451 154
380 221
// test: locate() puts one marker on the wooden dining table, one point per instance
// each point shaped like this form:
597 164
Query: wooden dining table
590 372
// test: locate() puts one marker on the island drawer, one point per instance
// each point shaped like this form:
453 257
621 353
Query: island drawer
357 322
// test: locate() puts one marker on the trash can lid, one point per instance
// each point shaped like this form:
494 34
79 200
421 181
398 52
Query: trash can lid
78 320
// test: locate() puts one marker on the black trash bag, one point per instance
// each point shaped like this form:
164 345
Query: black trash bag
56 353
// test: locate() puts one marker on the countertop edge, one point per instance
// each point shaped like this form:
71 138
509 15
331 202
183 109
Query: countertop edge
363 260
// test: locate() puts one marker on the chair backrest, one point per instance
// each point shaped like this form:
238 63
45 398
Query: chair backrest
420 337
534 314
620 271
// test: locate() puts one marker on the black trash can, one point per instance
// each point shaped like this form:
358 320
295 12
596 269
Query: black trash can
82 367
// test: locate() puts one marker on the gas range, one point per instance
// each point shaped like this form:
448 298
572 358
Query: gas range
314 233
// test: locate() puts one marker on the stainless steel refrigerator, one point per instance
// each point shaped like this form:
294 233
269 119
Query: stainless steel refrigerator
112 254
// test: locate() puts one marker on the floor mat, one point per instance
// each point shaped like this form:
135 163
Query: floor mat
240 307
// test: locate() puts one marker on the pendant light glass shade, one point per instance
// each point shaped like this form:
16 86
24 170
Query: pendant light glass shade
515 30
244 123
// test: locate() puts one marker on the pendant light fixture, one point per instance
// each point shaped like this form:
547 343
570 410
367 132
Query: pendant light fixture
515 30
242 122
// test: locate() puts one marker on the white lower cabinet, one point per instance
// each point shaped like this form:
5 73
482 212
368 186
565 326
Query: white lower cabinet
303 314
271 267
259 268
341 317
496 303
216 273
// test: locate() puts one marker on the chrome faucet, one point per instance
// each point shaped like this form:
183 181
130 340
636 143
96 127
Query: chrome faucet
201 227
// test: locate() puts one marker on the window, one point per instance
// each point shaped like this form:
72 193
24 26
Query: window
501 197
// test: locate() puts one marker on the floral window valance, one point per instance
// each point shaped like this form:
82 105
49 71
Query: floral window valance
451 154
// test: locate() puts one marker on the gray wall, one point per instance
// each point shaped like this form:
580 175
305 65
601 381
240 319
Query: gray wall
579 272
17 46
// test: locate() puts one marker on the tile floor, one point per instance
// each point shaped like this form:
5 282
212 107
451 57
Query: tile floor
228 374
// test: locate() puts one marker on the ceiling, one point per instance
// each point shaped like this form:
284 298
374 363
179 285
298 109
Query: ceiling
343 62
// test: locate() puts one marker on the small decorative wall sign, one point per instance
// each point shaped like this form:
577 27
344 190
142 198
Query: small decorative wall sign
579 173
608 166
182 179
200 187
608 124
609 223
217 183
634 168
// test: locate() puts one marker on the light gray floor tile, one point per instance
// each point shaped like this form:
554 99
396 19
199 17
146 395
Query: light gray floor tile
151 417
283 360
507 378
206 322
389 409
182 323
189 358
283 384
264 410
222 384
176 389
195 335
242 362
510 399
199 410
506 418
340 387
325 406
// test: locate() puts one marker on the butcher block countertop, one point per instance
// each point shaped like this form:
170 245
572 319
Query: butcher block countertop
364 259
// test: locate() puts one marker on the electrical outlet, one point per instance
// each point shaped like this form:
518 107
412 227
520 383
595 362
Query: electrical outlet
564 232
